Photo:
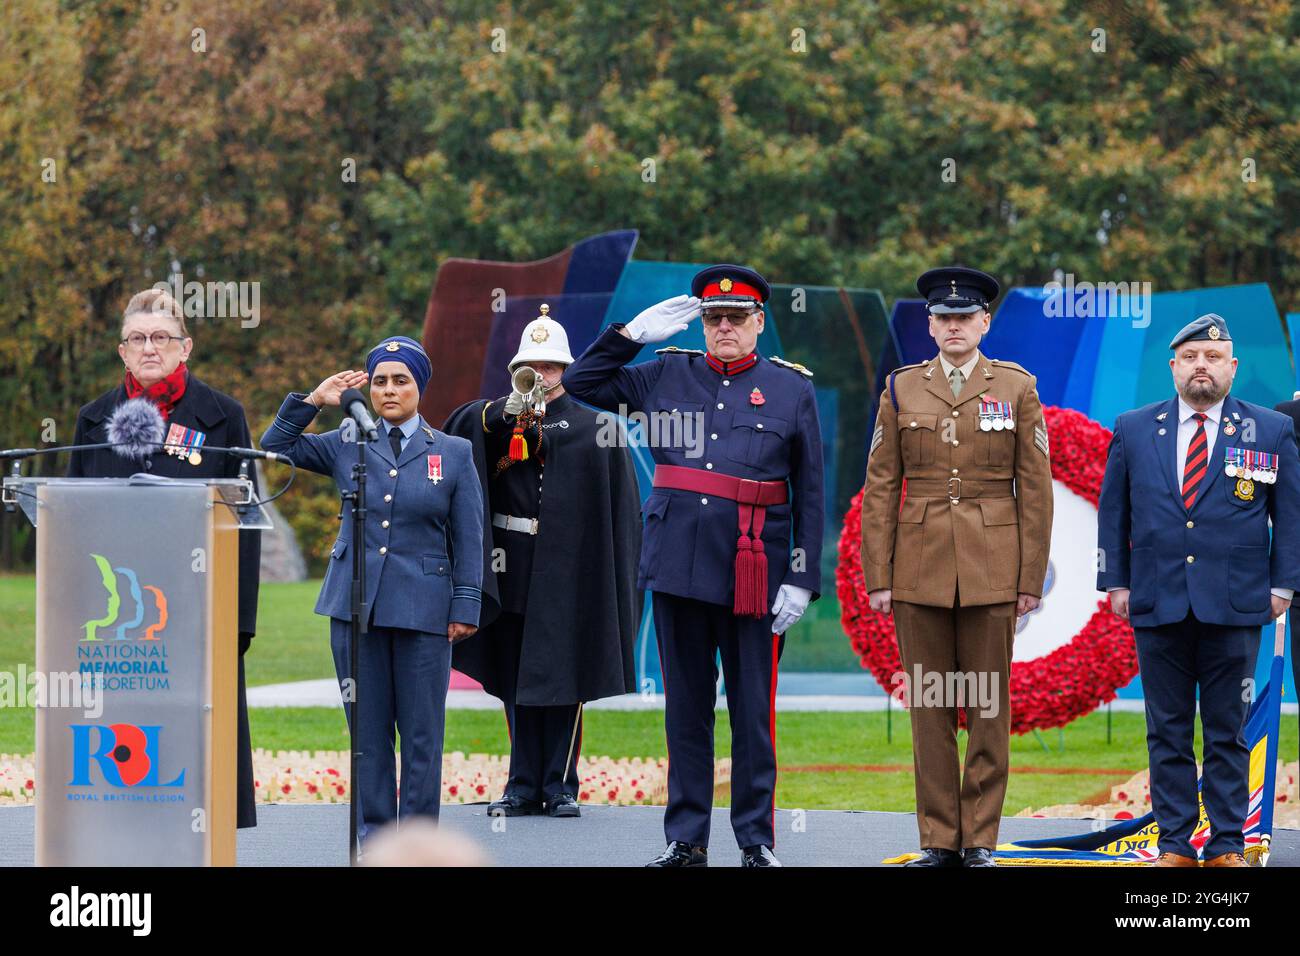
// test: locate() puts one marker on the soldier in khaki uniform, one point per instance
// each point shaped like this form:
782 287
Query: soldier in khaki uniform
961 441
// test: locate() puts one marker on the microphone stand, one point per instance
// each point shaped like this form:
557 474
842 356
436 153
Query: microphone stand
358 627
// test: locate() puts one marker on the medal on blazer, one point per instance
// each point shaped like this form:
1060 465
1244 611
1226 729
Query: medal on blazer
1245 489
435 468
184 443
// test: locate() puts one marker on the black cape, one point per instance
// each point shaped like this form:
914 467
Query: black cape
222 421
584 608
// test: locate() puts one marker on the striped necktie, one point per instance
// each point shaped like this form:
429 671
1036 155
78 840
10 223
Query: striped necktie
1198 457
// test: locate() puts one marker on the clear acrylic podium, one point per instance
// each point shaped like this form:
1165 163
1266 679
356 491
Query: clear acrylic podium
137 603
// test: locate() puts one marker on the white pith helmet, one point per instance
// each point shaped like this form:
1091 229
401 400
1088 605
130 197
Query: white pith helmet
543 340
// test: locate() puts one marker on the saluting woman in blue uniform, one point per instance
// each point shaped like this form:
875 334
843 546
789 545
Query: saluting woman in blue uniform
424 568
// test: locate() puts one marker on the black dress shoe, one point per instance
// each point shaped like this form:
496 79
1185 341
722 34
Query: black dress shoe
564 805
977 856
682 854
937 856
758 856
514 806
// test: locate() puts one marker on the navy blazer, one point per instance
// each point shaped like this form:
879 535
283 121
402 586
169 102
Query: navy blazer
1216 560
424 539
689 546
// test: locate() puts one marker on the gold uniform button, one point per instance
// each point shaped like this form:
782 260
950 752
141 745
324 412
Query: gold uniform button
954 471
955 413
392 472
955 443
1191 524
388 497
383 550
913 425
1191 559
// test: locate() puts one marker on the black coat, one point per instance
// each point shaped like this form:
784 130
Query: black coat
222 421
584 608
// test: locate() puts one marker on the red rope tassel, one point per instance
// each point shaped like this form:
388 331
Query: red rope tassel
518 445
744 601
760 578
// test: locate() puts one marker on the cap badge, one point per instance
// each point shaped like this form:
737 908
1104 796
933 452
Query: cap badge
725 285
392 347
540 334
1214 332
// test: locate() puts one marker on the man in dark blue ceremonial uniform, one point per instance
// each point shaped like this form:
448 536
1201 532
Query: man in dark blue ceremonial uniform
733 534
1185 552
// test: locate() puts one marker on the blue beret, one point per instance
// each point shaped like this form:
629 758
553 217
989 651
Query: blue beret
1209 326
400 348
957 289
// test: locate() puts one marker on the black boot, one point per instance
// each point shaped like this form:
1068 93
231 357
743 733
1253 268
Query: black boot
682 854
513 806
758 856
937 856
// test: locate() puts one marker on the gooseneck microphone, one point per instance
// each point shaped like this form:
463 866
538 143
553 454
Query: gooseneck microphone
354 405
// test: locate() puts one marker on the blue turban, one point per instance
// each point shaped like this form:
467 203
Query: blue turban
400 348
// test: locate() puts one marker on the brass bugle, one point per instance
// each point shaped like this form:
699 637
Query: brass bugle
524 380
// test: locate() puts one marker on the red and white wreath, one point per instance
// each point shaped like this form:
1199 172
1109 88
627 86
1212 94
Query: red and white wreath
1050 690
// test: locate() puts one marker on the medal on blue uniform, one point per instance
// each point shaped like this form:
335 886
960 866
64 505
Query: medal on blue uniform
1229 428
1233 465
435 468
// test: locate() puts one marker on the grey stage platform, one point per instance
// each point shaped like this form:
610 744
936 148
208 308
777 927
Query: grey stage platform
292 835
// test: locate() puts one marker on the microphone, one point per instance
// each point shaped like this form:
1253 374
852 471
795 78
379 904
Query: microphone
355 405
135 429
250 453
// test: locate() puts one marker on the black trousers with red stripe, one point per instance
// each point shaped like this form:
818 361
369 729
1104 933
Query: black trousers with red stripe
692 635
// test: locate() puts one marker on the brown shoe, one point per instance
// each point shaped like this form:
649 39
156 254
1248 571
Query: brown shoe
1227 859
1175 859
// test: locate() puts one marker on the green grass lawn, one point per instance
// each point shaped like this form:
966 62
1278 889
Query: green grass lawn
294 645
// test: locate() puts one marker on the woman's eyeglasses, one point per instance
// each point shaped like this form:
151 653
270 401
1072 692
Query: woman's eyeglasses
159 339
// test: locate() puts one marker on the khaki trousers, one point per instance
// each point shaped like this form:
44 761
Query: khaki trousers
965 648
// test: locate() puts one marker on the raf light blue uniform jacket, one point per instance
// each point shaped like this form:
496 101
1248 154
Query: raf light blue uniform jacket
1215 560
689 545
424 539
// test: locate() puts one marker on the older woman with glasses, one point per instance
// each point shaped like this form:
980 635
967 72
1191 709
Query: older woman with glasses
154 347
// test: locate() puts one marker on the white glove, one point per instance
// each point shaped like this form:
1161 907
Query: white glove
514 404
664 320
790 604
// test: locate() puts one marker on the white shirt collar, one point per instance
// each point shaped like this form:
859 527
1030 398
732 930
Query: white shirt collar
965 369
1213 413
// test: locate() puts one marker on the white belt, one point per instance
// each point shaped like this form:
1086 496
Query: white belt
511 523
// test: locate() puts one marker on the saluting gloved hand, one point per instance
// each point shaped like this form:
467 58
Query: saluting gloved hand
791 602
664 320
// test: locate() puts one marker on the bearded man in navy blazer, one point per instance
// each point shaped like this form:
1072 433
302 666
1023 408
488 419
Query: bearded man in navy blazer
1185 552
